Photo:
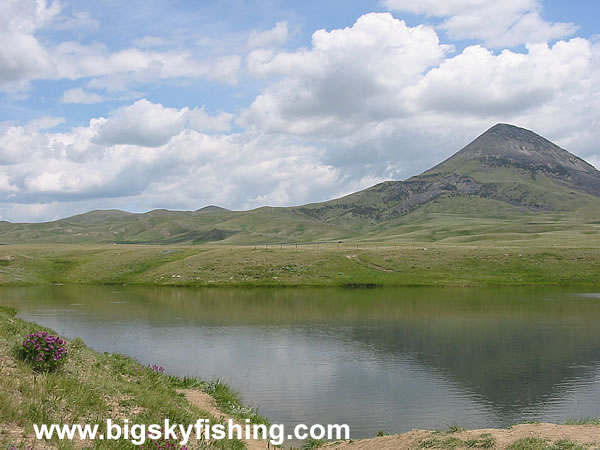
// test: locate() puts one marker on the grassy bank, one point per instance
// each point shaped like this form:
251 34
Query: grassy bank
308 265
92 387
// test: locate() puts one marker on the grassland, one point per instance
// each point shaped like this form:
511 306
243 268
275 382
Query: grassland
343 264
92 387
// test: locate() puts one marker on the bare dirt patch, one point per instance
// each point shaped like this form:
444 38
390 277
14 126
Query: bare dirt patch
370 265
205 402
587 436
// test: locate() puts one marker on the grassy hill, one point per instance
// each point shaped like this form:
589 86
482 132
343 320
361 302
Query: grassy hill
508 185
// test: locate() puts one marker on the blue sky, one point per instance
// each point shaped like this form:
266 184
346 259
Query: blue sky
180 104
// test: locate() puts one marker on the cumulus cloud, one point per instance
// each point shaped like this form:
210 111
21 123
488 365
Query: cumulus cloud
274 37
200 120
498 24
144 124
189 169
392 100
147 124
480 82
594 160
24 58
78 95
349 75
139 66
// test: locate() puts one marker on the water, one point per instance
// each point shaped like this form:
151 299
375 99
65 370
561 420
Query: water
378 359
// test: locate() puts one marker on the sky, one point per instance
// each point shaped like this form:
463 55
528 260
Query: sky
180 104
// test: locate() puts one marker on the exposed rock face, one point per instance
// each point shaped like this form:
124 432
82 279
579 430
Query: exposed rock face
509 146
523 156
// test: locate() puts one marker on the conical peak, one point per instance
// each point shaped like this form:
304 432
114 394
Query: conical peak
509 142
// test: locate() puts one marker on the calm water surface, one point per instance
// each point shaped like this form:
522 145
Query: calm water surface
391 359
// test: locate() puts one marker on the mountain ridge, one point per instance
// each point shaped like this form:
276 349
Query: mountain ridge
507 168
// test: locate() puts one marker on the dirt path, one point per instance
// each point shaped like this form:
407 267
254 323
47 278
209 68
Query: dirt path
370 265
205 402
587 436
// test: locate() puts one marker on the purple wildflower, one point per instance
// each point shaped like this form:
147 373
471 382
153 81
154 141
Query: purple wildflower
44 351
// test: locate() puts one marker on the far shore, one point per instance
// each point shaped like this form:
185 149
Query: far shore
344 265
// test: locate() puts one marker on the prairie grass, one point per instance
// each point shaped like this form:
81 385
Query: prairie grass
356 265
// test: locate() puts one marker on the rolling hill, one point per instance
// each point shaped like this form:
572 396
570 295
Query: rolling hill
508 185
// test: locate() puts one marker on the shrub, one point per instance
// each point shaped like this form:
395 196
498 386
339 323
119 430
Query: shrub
43 351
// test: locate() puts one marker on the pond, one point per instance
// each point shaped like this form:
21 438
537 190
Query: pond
376 359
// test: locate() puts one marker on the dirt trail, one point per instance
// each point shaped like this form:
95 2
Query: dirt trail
205 402
587 436
370 265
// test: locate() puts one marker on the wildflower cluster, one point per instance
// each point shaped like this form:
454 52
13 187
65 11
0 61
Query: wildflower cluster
156 368
162 444
43 351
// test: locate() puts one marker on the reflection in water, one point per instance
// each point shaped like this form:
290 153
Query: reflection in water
390 359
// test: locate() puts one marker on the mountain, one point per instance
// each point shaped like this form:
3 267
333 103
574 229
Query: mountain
509 183
506 163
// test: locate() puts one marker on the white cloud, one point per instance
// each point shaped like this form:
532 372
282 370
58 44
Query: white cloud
14 144
349 75
44 123
151 42
78 95
79 20
457 7
144 124
147 124
141 66
390 100
72 172
24 58
27 16
498 24
480 82
200 120
275 37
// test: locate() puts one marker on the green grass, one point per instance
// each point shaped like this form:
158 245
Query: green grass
454 429
313 443
436 442
351 265
92 387
446 440
584 421
542 444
